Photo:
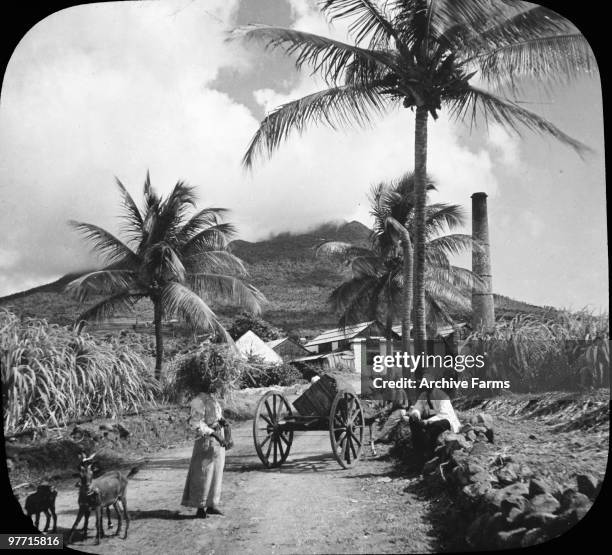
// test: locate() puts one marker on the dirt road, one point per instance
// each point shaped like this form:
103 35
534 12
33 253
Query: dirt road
310 505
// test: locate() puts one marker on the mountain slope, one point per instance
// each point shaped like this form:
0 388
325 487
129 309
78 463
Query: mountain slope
283 267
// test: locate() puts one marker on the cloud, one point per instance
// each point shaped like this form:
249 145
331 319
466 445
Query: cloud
109 89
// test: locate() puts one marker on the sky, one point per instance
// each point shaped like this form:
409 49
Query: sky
107 90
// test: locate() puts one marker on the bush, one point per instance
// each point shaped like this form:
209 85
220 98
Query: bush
260 374
246 321
568 352
51 375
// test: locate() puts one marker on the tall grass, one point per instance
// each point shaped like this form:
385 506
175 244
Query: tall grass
51 375
565 351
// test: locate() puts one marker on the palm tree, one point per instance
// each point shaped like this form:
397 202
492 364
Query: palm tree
425 55
379 273
180 263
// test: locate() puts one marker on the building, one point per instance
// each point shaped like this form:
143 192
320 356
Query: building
340 339
287 348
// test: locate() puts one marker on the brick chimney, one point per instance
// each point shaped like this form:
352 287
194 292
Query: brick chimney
483 312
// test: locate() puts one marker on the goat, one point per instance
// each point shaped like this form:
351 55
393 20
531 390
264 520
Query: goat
99 493
42 501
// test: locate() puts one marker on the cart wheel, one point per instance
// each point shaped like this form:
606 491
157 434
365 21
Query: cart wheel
346 427
272 441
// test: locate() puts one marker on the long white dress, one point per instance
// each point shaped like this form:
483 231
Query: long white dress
205 475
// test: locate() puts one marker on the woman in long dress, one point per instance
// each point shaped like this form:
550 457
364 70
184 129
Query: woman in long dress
204 479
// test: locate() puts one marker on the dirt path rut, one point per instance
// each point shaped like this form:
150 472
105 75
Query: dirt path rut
310 505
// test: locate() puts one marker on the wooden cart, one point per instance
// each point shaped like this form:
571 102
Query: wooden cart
323 406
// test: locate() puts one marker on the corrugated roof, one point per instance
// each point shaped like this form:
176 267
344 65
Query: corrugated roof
339 334
442 331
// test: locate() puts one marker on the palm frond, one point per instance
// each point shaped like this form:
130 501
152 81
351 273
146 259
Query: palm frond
208 217
524 22
111 248
335 107
101 282
227 290
163 264
450 245
553 59
454 23
215 262
440 217
122 300
473 103
213 238
370 20
132 218
177 299
326 57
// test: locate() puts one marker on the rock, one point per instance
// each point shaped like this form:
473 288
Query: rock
544 503
471 436
459 458
533 537
513 502
539 520
479 449
441 439
466 428
511 538
482 476
587 485
460 476
456 441
571 499
479 429
507 474
542 485
107 427
525 472
493 499
514 517
473 492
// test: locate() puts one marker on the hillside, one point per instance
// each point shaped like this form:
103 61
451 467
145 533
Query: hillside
283 267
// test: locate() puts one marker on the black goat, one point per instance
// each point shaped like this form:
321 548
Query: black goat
42 501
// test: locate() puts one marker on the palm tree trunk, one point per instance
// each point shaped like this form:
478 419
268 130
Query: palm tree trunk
159 338
420 170
407 294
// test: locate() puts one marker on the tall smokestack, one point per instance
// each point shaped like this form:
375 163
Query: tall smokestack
483 312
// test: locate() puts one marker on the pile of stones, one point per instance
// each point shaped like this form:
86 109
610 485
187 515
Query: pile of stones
505 504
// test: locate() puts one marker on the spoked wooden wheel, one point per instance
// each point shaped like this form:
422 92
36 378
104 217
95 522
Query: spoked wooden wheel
346 427
272 441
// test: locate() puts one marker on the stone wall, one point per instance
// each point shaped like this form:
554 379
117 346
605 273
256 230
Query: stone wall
502 500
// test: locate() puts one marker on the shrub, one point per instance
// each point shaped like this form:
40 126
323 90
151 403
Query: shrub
260 374
246 321
567 351
51 375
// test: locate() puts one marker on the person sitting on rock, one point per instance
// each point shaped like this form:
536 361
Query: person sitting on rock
431 415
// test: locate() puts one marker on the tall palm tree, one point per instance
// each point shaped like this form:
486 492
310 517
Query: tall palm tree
179 262
425 55
379 273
